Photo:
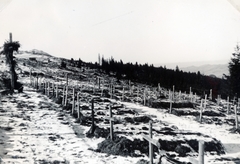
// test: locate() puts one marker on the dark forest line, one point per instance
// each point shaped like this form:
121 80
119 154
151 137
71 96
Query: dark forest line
148 74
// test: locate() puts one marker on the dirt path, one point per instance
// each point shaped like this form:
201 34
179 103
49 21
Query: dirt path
39 131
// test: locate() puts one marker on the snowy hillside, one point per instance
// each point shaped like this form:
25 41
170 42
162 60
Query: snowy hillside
41 126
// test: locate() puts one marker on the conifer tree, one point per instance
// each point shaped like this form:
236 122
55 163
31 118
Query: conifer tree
8 48
79 63
234 71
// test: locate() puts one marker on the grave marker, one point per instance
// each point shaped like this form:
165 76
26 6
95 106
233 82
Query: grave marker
151 142
228 105
56 90
63 96
173 92
170 100
73 99
205 102
111 122
93 126
48 92
78 105
210 95
45 87
236 117
201 152
66 96
201 109
144 97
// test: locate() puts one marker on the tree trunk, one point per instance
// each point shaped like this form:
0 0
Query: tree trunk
12 70
12 77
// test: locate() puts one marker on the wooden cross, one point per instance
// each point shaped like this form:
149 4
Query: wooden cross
228 105
151 142
73 99
78 104
205 102
170 101
63 96
173 92
111 120
66 96
201 109
56 90
48 93
93 125
236 116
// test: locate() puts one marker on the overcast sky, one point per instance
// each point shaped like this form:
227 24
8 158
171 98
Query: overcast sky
146 31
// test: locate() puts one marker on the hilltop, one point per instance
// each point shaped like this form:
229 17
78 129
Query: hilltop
217 70
214 68
38 126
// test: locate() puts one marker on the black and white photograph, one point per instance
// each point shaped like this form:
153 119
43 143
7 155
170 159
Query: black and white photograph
119 82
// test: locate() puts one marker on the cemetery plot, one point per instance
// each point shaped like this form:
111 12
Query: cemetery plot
94 118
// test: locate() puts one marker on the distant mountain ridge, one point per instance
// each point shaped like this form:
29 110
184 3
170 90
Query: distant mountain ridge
216 67
209 69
